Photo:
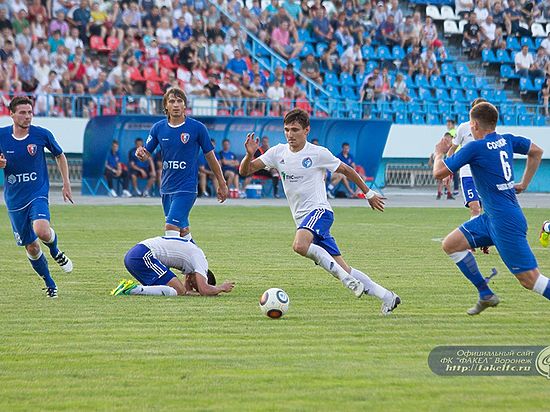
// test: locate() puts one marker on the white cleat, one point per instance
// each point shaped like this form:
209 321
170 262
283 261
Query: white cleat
126 193
64 262
354 285
388 307
483 304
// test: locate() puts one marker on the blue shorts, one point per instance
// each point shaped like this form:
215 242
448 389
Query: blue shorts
177 207
145 267
319 222
469 191
21 220
509 237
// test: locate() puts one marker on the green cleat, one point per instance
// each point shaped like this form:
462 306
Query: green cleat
124 287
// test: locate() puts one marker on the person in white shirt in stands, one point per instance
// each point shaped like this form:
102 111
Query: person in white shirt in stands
302 167
488 31
523 61
275 93
463 7
195 88
352 59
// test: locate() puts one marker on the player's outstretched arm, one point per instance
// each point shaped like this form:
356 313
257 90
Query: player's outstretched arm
534 157
63 167
210 290
217 170
249 166
376 201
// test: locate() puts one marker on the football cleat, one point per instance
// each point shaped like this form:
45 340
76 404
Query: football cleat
63 261
354 285
124 287
483 304
388 308
51 292
544 237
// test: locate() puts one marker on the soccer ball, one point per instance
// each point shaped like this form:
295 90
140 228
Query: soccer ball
274 303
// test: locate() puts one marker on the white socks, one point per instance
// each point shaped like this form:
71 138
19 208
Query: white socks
326 261
160 290
371 287
541 284
34 257
52 236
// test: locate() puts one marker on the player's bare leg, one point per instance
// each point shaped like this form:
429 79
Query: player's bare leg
457 247
535 281
48 236
303 245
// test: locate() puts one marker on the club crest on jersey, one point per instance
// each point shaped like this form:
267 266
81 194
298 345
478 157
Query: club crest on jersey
307 162
32 149
185 137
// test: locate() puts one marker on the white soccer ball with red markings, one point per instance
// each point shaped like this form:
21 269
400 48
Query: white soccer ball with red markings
274 303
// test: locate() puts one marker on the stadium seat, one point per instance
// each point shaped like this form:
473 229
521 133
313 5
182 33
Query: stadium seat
413 94
305 36
433 119
508 109
488 56
462 69
457 95
348 92
525 120
461 25
436 82
385 116
442 95
346 79
149 73
508 120
320 49
97 44
421 81
113 43
398 106
154 87
525 85
383 53
500 96
462 118
417 118
401 118
452 82
415 107
307 50
447 69
433 12
527 41
367 52
165 74
538 30
166 62
488 94
512 43
471 94
135 74
507 72
459 108
444 108
425 95
482 84
467 82
447 13
432 108
539 120
521 109
502 56
450 28
537 83
333 91
331 79
398 53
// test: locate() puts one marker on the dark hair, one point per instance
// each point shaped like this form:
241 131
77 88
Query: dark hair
225 140
486 115
18 101
211 279
345 144
297 115
114 142
139 139
176 92
477 101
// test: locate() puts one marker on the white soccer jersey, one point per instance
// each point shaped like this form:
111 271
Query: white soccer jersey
303 175
178 253
463 137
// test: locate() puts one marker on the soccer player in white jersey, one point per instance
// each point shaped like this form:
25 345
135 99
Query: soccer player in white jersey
302 167
151 261
469 192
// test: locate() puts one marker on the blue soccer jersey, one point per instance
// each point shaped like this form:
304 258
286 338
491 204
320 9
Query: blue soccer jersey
180 152
346 160
26 173
491 162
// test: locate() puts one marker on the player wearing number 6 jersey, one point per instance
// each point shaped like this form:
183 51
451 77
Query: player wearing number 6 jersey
302 167
502 224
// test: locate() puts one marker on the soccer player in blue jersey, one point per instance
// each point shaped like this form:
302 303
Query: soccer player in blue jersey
502 224
27 187
180 139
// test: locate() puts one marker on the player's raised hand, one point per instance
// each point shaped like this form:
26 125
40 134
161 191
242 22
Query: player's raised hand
67 194
376 202
251 144
227 286
223 191
142 153
520 188
3 161
443 146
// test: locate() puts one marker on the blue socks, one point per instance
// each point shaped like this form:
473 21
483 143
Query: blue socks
52 245
467 264
40 266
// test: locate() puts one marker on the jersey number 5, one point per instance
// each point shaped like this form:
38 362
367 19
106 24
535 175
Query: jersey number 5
505 165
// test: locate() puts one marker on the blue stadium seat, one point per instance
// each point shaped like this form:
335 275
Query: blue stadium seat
415 107
421 81
521 109
433 119
500 96
383 53
508 109
527 41
442 95
540 120
409 82
398 106
488 94
333 91
331 79
462 118
398 53
481 84
452 82
457 95
460 108
401 118
525 85
508 120
348 92
304 35
432 108
502 56
367 52
488 56
320 49
417 118
371 65
445 108
447 69
471 94
339 49
354 109
462 69
467 82
537 83
436 82
359 77
346 79
525 120
413 94
385 116
538 41
308 49
512 43
507 72
425 95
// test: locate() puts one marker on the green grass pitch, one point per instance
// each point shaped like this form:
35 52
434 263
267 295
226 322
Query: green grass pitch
91 351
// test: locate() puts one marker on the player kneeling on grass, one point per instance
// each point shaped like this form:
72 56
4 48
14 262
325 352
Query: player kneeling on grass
150 262
303 166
